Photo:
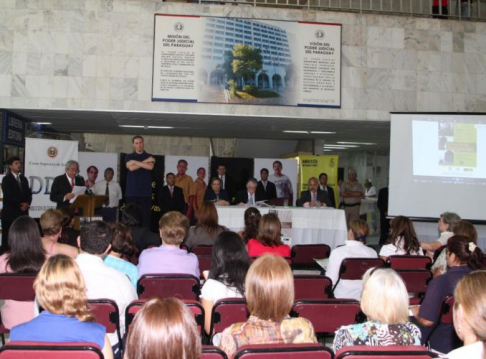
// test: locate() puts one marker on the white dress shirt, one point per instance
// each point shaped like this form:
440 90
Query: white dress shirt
350 289
105 282
397 249
115 192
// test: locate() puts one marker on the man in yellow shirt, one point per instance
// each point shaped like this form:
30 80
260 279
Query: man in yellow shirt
184 181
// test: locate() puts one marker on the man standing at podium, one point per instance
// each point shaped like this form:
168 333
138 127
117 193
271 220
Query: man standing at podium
63 185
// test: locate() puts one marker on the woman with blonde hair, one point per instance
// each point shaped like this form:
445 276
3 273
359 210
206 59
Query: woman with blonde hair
385 303
164 329
60 289
470 316
207 228
269 238
354 247
402 239
51 225
269 288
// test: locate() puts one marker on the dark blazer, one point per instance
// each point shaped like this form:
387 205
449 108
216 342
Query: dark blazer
242 196
330 193
230 186
61 187
13 196
144 238
171 203
383 207
269 194
305 196
209 195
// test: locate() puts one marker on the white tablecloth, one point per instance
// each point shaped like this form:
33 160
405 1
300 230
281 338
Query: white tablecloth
309 225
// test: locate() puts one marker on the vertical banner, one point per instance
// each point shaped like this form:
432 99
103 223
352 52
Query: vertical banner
313 166
44 160
246 61
282 172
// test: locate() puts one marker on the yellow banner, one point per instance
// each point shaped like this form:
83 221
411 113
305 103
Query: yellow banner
313 166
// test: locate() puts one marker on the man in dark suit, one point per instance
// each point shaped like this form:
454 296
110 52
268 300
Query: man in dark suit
248 195
313 197
227 182
62 187
171 198
383 207
17 198
266 190
324 187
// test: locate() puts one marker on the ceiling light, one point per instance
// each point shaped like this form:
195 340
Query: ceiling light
348 146
358 143
323 132
43 123
147 127
131 126
296 132
335 148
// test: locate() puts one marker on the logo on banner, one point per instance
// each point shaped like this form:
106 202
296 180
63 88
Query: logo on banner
178 26
320 34
52 152
331 163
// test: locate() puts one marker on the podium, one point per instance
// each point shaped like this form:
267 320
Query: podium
88 204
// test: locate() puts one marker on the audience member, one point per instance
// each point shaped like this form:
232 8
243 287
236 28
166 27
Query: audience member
207 228
226 279
102 281
446 228
199 188
69 235
252 219
269 238
171 197
402 239
61 291
463 256
385 303
26 255
461 228
108 187
17 198
51 226
351 193
122 249
142 236
183 180
248 195
169 257
216 194
354 247
164 329
270 296
470 316
266 190
328 189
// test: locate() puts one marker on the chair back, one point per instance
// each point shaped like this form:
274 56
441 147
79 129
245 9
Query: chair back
212 352
284 351
195 307
226 312
202 250
355 268
204 263
305 253
409 262
16 286
416 281
36 350
328 315
107 314
391 352
180 286
308 286
446 316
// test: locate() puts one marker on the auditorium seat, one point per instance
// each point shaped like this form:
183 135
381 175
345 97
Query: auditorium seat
226 312
385 352
180 286
40 350
107 314
202 250
309 286
204 263
303 255
446 316
212 352
355 268
409 262
416 281
284 351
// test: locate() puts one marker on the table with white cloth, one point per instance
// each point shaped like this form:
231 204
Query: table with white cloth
309 225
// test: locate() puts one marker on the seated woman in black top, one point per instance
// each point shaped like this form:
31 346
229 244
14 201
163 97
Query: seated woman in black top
216 194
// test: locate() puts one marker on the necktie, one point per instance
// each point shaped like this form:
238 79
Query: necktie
72 183
171 191
222 181
313 197
265 186
107 193
18 181
251 199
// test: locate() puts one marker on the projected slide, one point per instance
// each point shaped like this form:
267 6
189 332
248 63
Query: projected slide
448 150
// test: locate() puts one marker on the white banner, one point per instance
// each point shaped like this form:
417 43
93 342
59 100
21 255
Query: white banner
101 161
289 169
45 160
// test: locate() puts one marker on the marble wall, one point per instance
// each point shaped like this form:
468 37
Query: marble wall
97 54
